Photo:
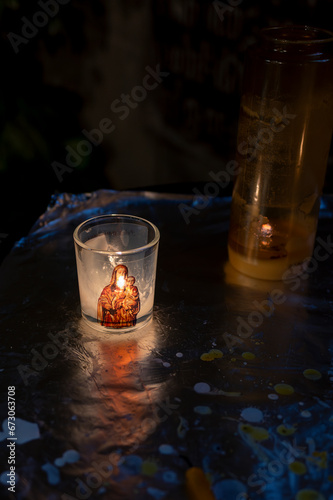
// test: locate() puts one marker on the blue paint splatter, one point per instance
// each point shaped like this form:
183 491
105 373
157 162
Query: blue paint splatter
202 410
24 431
69 457
170 476
158 494
252 414
53 475
132 464
229 489
4 477
167 449
202 387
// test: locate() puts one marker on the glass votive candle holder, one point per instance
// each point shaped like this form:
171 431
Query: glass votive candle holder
116 258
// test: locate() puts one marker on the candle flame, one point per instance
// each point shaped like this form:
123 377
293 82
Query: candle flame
266 233
121 282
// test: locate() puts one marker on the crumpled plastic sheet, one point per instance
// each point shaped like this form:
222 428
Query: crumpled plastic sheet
233 375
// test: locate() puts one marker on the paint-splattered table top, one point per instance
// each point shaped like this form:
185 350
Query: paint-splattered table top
233 376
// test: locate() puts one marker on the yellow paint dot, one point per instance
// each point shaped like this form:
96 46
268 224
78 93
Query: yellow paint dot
320 458
256 433
231 394
284 389
233 359
212 354
248 355
309 495
285 431
312 374
206 357
217 353
149 468
297 467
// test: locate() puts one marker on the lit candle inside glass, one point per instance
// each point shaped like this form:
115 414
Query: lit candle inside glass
266 231
284 134
271 249
116 258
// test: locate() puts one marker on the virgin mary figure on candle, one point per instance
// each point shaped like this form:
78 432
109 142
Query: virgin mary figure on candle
119 303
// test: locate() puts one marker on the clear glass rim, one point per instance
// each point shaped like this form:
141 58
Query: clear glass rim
126 218
275 34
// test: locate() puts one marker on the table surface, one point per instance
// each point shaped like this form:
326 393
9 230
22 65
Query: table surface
233 375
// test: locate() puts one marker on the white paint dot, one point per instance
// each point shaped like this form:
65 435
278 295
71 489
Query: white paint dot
166 364
305 413
179 354
273 396
201 387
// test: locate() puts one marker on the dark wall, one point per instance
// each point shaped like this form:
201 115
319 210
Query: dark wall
123 94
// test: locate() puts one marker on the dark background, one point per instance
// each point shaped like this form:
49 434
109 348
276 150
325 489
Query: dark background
64 68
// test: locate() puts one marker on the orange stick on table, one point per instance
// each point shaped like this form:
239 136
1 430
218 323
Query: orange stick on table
197 485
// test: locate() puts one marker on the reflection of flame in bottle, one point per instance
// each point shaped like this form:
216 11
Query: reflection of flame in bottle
121 282
266 234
